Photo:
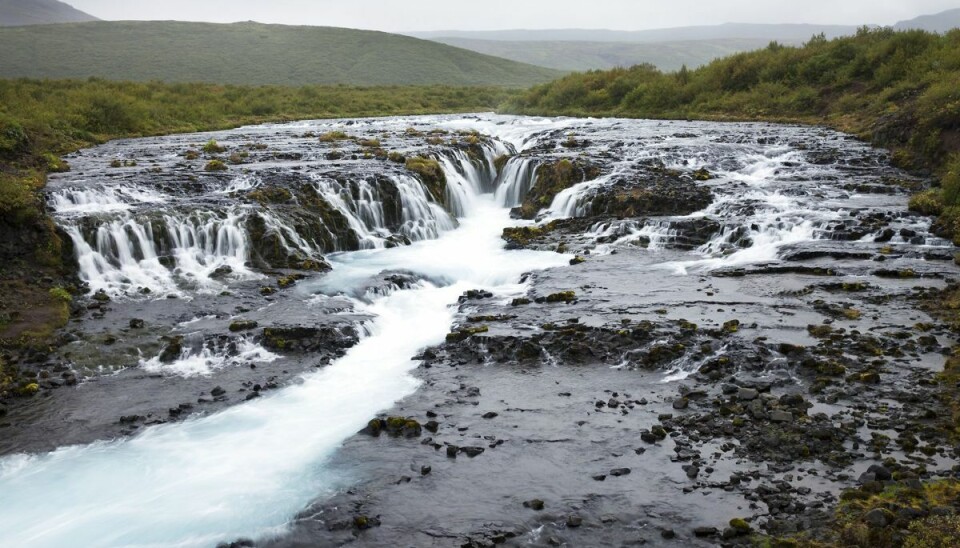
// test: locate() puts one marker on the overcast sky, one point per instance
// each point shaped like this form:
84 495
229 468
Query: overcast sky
413 15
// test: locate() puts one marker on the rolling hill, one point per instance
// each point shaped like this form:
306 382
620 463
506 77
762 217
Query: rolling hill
667 49
783 33
938 22
15 13
250 54
579 56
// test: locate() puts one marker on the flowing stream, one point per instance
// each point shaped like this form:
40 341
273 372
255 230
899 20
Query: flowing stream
247 470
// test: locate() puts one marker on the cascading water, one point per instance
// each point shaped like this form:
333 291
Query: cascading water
137 255
246 471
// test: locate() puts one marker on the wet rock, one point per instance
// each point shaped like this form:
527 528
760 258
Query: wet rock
137 323
217 392
173 350
747 394
472 451
574 521
701 532
877 518
778 415
535 504
618 472
490 415
881 472
242 325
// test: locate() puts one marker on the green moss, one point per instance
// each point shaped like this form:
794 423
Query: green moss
702 175
215 165
397 158
29 389
62 295
553 178
562 297
271 195
731 326
465 333
213 147
334 136
521 236
242 325
431 175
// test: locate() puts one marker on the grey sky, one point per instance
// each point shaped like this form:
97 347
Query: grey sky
411 15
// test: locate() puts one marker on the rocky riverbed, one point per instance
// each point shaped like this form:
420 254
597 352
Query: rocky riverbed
688 334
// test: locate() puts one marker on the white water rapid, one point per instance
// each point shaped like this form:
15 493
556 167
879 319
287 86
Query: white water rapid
246 471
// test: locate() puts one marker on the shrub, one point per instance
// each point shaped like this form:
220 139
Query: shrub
934 532
61 295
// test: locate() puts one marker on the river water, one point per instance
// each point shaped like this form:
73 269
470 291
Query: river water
245 471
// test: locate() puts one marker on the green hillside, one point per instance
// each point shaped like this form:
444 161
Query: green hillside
248 54
570 55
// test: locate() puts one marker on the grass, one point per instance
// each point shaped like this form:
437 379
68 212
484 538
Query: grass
249 54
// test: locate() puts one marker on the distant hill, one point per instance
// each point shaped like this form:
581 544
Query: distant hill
667 49
785 33
15 13
580 56
249 53
939 22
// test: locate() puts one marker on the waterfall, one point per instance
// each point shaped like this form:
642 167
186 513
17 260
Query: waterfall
131 254
518 177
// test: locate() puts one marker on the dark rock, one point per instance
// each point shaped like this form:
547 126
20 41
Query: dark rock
137 323
705 532
877 518
778 415
217 392
472 451
574 521
880 472
490 415
617 472
535 504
